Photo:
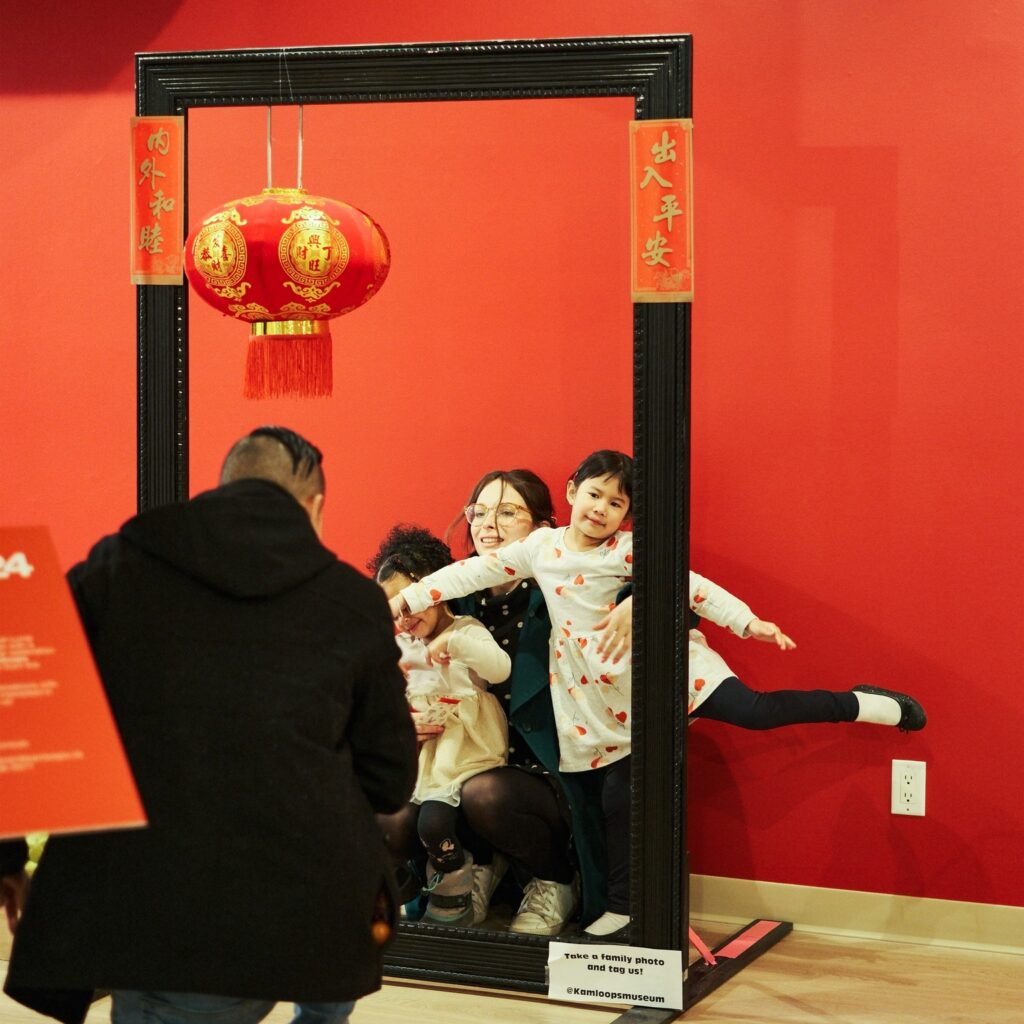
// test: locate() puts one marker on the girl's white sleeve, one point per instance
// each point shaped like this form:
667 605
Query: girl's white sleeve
472 574
474 647
715 603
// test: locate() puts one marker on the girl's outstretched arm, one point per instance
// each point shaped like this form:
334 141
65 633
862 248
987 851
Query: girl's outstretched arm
471 574
713 602
710 601
769 633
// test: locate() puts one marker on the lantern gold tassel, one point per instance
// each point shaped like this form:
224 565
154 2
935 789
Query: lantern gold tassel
289 357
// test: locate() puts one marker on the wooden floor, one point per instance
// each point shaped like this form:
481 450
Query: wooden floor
806 979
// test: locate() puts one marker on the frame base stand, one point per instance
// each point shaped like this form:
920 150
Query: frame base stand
731 955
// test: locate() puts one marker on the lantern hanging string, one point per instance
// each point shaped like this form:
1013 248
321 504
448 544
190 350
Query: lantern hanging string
270 147
299 182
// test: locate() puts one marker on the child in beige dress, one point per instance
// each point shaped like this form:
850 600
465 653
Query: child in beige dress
449 661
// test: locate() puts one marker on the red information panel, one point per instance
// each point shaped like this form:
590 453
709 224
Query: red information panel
158 224
661 208
62 766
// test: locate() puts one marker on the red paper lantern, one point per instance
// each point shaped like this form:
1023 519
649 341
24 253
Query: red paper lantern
286 263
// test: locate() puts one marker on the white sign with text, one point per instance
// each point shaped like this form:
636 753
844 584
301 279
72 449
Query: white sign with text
589 973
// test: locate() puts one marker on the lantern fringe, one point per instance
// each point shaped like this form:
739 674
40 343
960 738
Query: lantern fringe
289 366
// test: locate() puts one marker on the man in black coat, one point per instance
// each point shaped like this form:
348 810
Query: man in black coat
254 679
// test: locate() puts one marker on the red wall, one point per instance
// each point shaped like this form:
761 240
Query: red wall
857 377
500 337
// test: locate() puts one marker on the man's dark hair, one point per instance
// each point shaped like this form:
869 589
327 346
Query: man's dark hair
411 551
279 455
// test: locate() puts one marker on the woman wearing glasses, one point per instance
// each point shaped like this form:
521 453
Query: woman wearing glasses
521 809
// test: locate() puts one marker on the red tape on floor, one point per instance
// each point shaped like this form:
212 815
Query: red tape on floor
757 931
701 946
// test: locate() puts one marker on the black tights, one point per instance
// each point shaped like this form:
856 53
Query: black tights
505 809
735 703
517 812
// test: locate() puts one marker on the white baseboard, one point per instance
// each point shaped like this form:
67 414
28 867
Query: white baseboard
863 914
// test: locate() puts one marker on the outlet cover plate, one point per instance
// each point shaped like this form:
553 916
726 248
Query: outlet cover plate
908 784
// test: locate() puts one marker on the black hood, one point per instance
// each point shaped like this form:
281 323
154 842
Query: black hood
247 539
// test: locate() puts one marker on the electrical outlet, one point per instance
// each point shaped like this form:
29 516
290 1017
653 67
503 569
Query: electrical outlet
908 787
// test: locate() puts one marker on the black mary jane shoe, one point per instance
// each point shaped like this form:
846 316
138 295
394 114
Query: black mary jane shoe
912 716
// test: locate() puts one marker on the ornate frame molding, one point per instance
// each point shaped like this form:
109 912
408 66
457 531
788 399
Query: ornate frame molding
656 72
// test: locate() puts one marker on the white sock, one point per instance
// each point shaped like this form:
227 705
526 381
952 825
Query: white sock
878 709
607 923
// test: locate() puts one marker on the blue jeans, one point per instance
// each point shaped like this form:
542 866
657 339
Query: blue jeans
322 1013
193 1008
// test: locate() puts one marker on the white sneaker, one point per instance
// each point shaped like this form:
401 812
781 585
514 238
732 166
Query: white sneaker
485 880
546 907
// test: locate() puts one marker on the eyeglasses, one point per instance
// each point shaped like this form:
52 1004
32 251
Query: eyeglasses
505 514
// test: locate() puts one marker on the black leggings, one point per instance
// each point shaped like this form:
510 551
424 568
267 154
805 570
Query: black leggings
732 702
610 786
735 703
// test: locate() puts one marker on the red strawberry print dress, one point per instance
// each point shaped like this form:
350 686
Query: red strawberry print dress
706 668
591 698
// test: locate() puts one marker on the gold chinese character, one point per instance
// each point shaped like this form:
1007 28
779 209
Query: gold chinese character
664 150
160 204
151 239
148 170
652 173
669 209
160 140
656 249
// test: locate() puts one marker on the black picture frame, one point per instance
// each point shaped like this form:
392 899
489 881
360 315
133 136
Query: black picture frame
656 71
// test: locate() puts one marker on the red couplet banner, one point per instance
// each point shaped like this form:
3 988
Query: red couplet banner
661 209
62 766
157 213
